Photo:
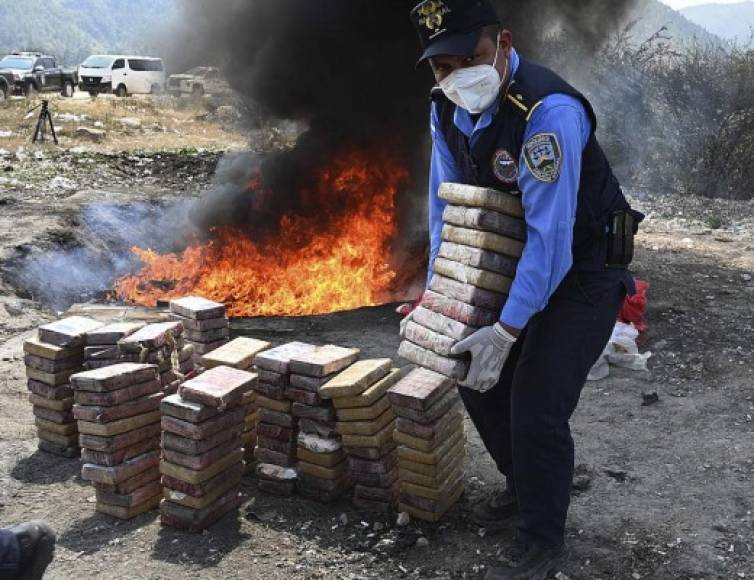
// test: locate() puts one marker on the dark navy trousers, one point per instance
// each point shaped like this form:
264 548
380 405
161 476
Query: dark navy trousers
9 555
524 420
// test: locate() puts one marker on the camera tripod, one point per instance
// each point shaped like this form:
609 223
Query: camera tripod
45 118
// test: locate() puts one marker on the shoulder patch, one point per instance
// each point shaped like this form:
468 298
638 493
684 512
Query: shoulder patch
544 157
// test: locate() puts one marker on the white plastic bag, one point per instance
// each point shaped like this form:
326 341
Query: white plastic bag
621 351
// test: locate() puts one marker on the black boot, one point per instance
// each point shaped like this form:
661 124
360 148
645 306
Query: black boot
494 512
36 541
537 563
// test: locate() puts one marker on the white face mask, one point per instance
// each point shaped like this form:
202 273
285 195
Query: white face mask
474 88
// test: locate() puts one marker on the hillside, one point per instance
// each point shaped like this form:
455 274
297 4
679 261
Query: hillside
732 22
73 29
651 15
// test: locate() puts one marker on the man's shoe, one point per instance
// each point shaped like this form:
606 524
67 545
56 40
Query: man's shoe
36 541
537 563
494 512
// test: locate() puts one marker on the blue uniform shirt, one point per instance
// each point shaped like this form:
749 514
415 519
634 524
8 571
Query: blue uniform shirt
550 207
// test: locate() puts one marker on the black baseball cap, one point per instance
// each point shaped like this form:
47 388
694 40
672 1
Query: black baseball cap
451 27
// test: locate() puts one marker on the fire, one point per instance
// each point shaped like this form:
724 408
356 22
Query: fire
312 265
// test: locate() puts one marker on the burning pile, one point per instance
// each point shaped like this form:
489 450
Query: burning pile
51 359
332 252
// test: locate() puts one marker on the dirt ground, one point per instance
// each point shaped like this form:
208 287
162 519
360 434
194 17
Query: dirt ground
663 491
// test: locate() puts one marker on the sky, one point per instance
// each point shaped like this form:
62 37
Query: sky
677 4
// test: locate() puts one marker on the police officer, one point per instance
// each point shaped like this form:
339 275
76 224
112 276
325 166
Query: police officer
502 122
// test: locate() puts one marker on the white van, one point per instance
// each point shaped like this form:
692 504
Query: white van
121 74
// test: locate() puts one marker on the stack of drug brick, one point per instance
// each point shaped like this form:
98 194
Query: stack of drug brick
51 358
118 413
366 422
205 324
161 344
321 462
239 354
202 454
102 344
430 437
277 428
482 240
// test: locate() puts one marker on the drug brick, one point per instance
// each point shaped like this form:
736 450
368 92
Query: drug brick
302 396
205 429
65 430
325 485
278 359
52 379
110 334
375 479
104 415
430 340
176 406
467 293
202 325
356 379
483 240
420 389
135 498
275 417
63 405
273 457
338 471
379 439
238 353
431 493
273 472
491 199
323 360
287 448
474 276
46 391
129 513
118 427
66 441
68 332
326 429
367 427
283 406
199 446
372 396
312 384
118 473
152 336
458 310
427 445
36 347
200 490
220 387
203 460
442 324
220 488
201 348
193 521
207 336
433 430
433 413
485 220
129 485
321 459
273 392
121 456
372 453
433 457
199 476
197 308
64 417
440 473
479 258
324 414
276 432
114 378
452 368
430 511
52 366
364 413
384 465
112 444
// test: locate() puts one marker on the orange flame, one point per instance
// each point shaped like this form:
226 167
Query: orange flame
313 266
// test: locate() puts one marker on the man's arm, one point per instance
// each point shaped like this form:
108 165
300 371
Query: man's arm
443 169
549 178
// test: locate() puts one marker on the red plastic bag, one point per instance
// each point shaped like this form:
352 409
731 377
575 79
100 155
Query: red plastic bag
635 307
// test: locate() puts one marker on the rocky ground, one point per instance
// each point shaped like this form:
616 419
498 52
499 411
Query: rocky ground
663 490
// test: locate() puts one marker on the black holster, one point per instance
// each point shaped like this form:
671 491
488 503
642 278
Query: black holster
622 229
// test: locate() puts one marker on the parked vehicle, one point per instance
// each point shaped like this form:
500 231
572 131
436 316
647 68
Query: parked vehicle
122 75
28 73
198 82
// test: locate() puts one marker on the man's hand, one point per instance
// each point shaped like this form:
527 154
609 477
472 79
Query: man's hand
489 349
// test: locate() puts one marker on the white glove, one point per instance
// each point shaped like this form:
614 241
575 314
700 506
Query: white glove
489 348
404 323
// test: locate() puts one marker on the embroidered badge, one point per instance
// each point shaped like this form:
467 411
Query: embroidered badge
543 157
505 167
432 13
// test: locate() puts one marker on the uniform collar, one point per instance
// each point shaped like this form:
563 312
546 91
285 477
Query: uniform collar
463 119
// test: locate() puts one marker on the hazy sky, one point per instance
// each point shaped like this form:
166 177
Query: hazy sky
684 3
